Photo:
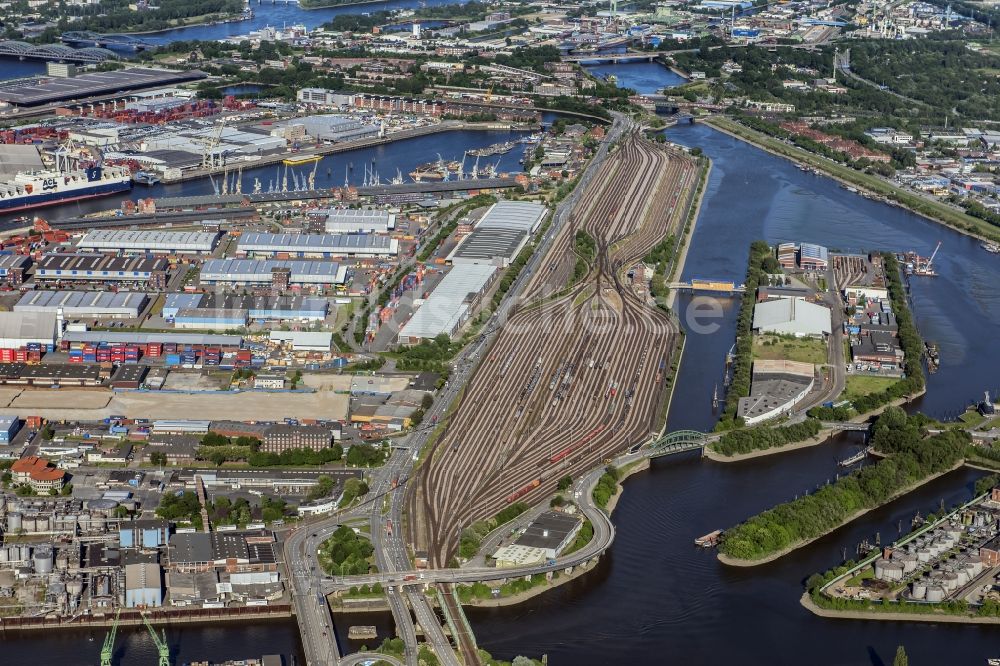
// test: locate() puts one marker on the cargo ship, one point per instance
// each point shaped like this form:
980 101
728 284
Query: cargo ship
35 189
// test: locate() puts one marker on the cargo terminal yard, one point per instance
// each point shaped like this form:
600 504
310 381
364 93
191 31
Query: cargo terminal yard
574 377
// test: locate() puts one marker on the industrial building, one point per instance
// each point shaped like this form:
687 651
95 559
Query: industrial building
144 533
790 316
317 245
143 585
40 90
19 329
157 242
813 257
183 307
327 127
283 437
12 268
451 303
324 97
304 340
9 425
192 137
500 234
551 531
85 304
775 388
194 341
51 375
268 272
82 267
358 220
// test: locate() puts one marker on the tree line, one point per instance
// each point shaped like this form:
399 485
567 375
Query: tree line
745 440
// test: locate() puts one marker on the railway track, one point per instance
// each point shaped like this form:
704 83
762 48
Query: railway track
574 377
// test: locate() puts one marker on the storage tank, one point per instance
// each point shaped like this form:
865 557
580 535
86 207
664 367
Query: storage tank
919 590
43 560
975 565
28 523
935 593
949 580
74 586
62 560
14 522
923 555
4 555
963 576
42 524
103 586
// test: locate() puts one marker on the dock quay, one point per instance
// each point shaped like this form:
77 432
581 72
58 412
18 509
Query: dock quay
157 616
346 146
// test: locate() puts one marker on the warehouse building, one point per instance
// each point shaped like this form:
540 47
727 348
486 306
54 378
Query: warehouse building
359 220
317 245
500 235
12 268
775 388
85 268
789 316
193 341
53 374
450 305
85 304
258 308
143 585
19 329
552 532
9 425
320 341
327 127
266 272
141 242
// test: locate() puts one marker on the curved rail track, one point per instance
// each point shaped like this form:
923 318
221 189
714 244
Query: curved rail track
575 376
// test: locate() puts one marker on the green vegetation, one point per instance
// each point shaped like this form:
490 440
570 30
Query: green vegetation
224 511
745 440
858 386
482 591
429 355
583 537
115 16
900 659
912 459
346 553
607 486
353 489
296 457
564 483
660 258
586 249
472 536
790 348
323 488
366 455
760 262
180 507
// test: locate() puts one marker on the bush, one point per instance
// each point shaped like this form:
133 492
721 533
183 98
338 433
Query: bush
745 440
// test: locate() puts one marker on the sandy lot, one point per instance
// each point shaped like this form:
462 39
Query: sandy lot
7 395
251 406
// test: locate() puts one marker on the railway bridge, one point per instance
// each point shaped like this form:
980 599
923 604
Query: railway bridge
677 441
54 52
702 284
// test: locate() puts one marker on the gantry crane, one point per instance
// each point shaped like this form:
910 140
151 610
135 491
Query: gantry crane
108 649
161 643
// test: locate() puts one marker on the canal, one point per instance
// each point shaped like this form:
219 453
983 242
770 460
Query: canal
656 598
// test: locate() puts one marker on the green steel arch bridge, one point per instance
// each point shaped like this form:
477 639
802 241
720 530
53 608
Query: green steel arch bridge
677 441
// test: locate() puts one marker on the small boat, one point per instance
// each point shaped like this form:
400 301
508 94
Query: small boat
992 248
709 540
145 178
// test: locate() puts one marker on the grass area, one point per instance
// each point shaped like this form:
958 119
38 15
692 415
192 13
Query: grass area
862 576
860 385
972 418
935 209
781 348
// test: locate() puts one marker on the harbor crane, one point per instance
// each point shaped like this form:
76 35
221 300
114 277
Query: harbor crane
163 651
933 254
108 649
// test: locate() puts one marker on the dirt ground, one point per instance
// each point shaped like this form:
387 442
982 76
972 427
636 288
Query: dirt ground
247 406
323 382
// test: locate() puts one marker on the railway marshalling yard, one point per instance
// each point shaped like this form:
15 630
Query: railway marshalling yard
576 374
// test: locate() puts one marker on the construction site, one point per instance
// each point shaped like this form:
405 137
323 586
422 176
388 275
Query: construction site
578 371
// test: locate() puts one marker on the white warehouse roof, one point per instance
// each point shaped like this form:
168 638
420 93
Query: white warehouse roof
447 307
83 303
522 215
304 340
154 241
363 244
791 316
19 328
356 220
259 270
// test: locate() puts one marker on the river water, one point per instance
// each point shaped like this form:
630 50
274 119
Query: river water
656 598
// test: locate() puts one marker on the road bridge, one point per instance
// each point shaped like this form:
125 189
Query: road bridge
718 286
678 441
77 37
593 58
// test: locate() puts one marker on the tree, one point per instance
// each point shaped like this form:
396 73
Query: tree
565 482
158 458
901 658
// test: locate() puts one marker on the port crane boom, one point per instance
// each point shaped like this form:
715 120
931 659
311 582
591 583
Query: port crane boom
933 254
163 651
108 649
